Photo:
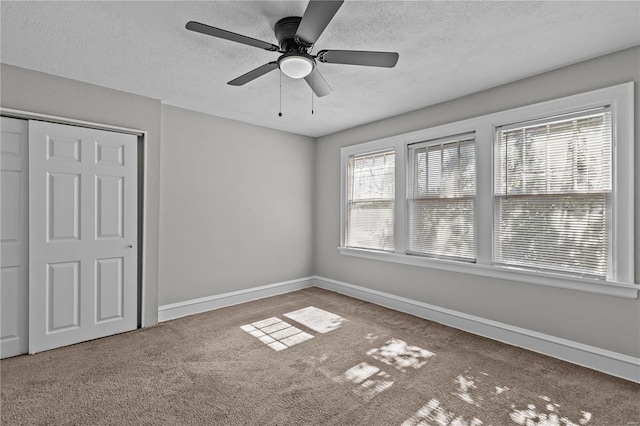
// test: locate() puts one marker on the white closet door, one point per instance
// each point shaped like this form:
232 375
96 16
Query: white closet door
82 234
14 226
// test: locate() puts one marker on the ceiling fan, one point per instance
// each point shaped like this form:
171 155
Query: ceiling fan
296 36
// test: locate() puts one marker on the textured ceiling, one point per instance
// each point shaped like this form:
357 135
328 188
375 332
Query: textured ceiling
447 50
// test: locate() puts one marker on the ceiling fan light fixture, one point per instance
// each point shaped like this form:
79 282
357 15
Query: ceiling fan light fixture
296 66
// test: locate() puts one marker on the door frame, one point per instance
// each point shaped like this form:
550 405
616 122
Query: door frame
142 170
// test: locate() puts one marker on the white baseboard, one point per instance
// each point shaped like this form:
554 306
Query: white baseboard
203 304
613 363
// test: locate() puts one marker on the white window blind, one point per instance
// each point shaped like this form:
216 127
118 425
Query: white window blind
441 198
553 194
370 201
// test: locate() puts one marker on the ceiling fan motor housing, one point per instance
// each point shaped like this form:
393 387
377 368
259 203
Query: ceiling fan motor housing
285 30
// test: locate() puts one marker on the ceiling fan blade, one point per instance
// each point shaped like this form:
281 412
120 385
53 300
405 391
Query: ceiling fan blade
315 19
358 57
228 35
318 84
253 74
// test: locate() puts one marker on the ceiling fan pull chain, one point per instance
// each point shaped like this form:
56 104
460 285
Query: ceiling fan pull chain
313 80
280 113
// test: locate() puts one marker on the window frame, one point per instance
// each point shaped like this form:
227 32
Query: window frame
619 98
566 194
347 190
411 149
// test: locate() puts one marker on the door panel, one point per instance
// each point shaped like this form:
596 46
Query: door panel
63 206
11 196
110 207
63 296
14 254
109 289
109 154
83 232
10 305
63 149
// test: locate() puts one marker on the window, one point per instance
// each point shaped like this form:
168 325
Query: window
441 202
553 194
541 194
370 206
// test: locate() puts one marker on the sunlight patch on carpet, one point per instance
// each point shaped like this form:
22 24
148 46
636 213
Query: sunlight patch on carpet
371 337
474 388
547 415
371 380
400 355
433 413
358 373
276 334
316 319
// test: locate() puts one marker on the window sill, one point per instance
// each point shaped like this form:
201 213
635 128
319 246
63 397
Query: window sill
608 288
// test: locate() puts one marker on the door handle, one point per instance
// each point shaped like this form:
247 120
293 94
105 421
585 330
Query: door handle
130 246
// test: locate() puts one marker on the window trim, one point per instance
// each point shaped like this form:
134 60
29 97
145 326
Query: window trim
619 97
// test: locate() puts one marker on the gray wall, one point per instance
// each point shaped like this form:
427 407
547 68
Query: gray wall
602 321
37 92
236 208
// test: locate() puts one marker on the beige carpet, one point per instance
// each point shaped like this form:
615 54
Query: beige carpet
340 361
